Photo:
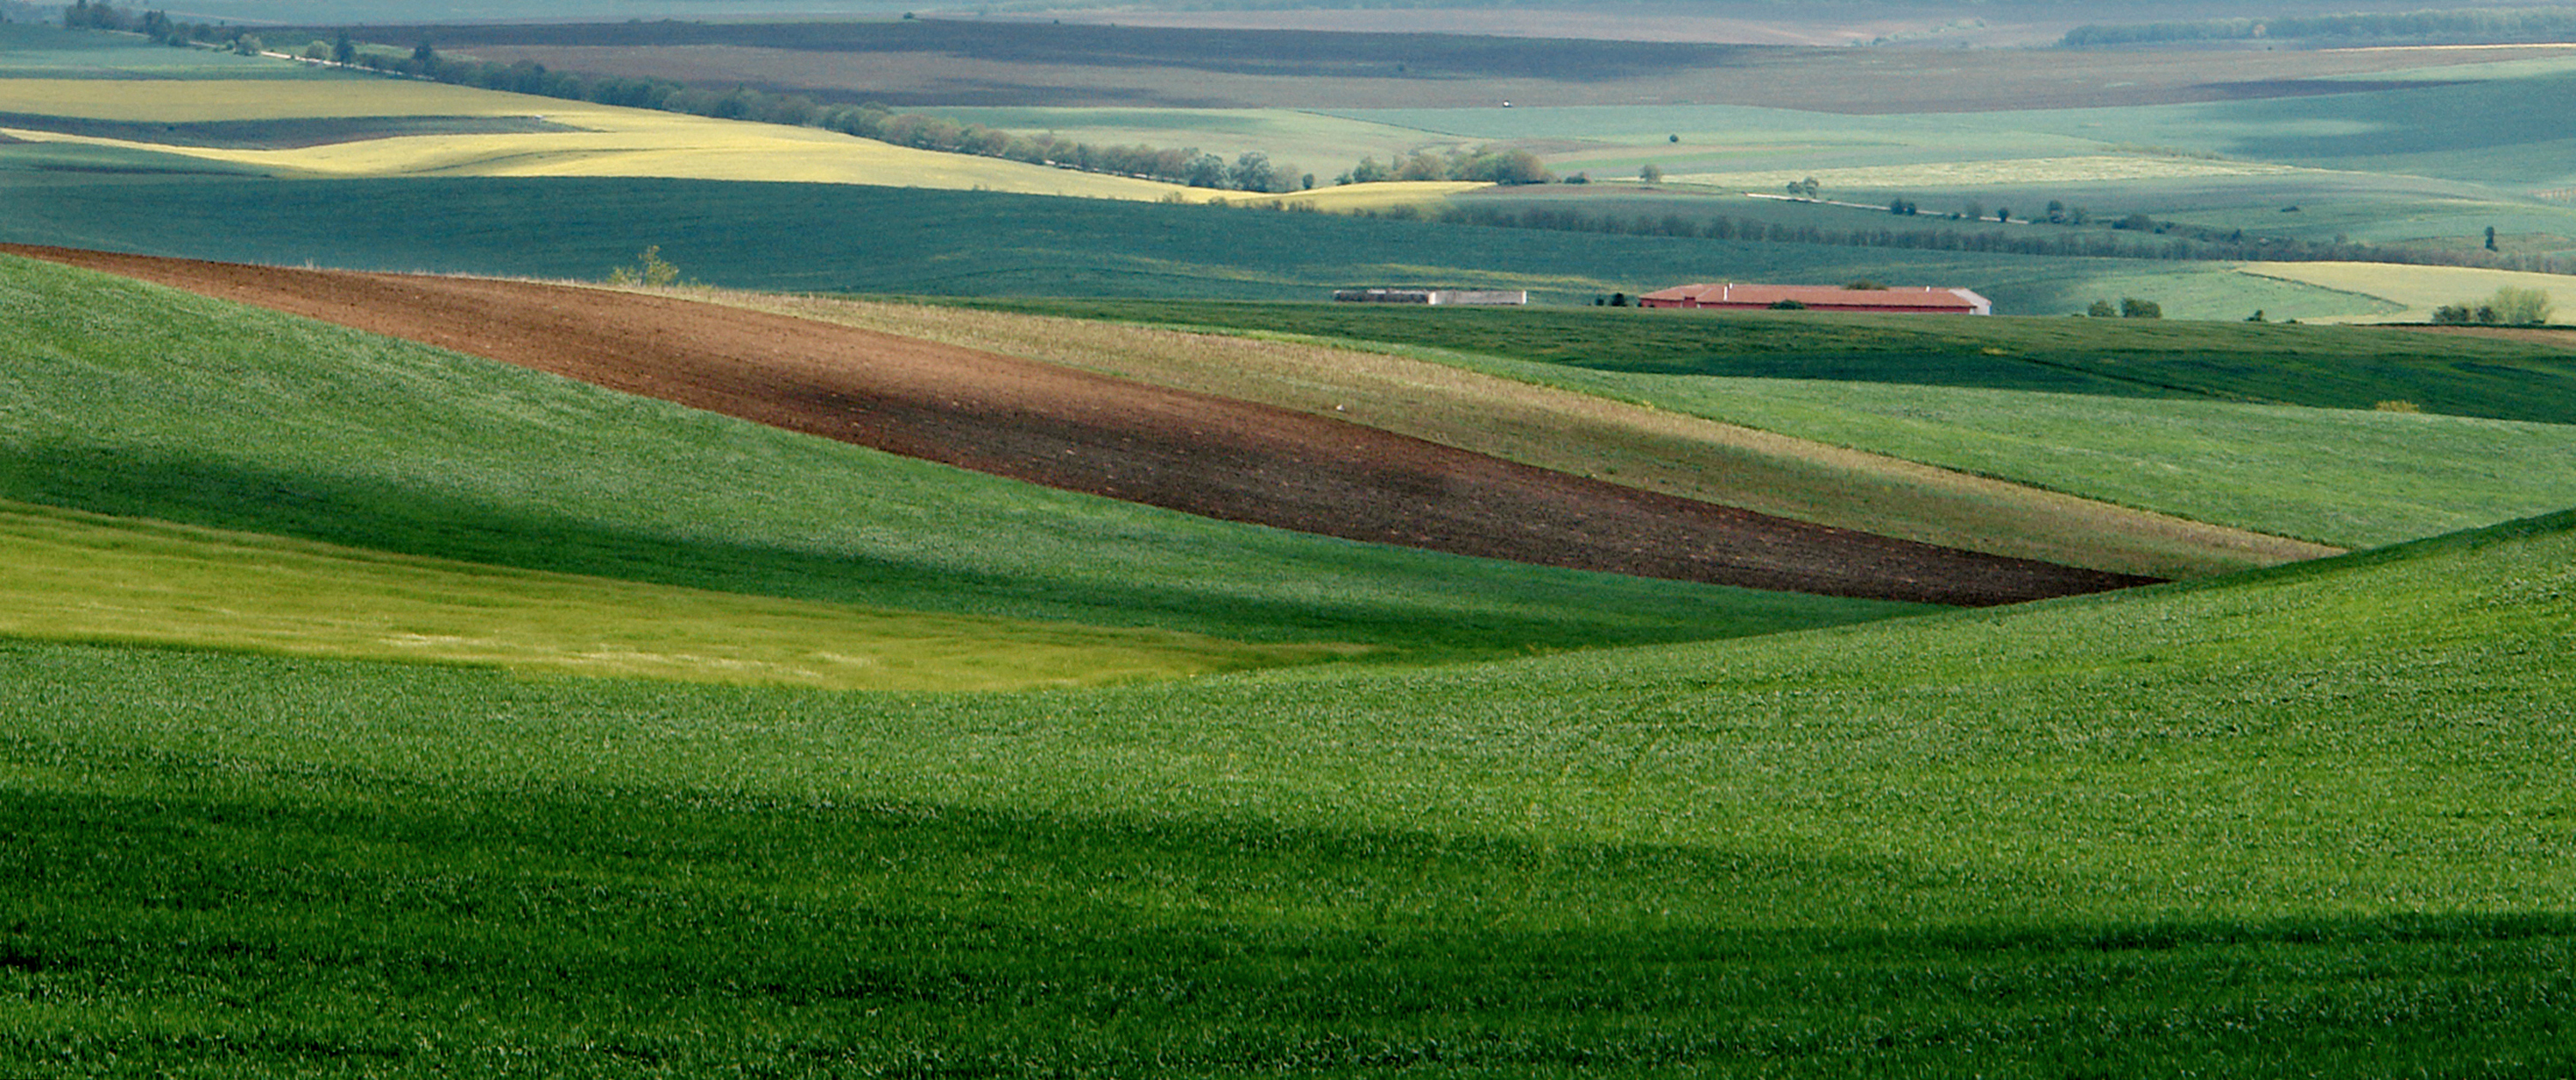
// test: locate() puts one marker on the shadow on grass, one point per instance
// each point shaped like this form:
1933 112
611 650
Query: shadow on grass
329 922
1540 608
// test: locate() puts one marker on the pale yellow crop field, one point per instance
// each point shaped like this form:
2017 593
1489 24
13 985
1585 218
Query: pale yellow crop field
610 141
1350 197
1948 174
172 101
2419 288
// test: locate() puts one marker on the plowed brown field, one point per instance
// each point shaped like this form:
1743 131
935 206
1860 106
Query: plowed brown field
1082 431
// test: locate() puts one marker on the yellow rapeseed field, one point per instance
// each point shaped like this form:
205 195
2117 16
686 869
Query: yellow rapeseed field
609 141
2420 288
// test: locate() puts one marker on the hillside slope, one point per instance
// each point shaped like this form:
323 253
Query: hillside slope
1495 408
1069 429
139 401
2269 826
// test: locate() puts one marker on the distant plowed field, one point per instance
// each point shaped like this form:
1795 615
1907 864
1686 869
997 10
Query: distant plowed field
1087 432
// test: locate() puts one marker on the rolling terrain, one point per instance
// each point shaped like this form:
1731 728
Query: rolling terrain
158 404
2271 825
931 631
1054 426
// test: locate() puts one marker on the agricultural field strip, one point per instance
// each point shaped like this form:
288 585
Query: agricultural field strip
2345 477
1080 431
162 404
1593 435
2355 478
72 576
608 141
2420 289
1832 81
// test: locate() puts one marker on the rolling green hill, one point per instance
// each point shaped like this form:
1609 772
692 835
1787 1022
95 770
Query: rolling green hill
132 400
2270 826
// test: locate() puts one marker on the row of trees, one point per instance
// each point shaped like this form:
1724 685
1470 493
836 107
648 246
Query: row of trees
1486 164
1250 171
2175 243
2473 24
2508 307
2133 308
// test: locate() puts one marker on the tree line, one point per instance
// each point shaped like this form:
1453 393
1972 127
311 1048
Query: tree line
1252 171
2485 24
2123 240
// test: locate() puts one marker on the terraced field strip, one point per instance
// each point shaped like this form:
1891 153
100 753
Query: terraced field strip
606 140
1658 450
1080 431
72 576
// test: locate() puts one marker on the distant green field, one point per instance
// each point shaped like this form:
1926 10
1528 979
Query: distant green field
849 238
32 51
2329 367
157 404
2304 821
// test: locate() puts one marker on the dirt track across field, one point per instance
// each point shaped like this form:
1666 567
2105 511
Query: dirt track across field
1080 431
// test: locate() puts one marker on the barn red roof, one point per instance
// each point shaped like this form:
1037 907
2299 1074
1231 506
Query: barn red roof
1819 297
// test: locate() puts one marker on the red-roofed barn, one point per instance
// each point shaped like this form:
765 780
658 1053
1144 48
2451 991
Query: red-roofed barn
1920 301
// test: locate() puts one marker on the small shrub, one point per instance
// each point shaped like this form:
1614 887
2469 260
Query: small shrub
2399 405
1788 305
649 269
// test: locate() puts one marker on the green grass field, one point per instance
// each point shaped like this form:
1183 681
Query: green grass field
2320 366
2349 477
2304 821
158 404
31 51
2162 425
86 578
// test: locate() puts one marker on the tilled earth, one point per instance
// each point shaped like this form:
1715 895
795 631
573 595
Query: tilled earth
1085 432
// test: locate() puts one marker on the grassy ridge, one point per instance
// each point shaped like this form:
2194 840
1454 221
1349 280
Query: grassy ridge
80 577
2353 478
2266 828
849 238
2329 367
133 400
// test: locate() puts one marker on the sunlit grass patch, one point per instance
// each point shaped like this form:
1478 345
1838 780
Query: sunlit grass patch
2420 289
81 577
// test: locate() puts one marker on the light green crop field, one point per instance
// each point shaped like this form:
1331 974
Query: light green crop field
2311 820
82 577
2353 478
33 51
131 400
2097 408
